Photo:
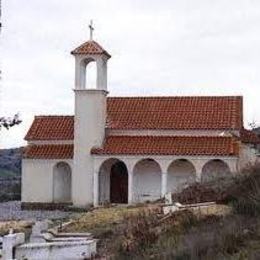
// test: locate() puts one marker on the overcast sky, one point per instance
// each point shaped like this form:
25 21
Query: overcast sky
170 47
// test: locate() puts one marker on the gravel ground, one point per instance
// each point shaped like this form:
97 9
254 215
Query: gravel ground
11 210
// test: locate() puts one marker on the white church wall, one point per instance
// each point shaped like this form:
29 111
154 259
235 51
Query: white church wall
180 174
37 179
146 181
62 179
89 131
104 180
165 161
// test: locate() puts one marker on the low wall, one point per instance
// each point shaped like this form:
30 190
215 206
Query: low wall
44 206
56 250
14 246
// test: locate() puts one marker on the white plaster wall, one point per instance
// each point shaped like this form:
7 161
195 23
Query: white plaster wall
215 169
165 161
180 174
89 127
62 183
104 181
146 181
37 180
56 250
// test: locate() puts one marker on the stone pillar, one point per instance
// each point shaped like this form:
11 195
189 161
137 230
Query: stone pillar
164 184
96 188
130 187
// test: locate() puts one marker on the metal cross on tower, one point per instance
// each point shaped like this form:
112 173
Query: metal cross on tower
91 29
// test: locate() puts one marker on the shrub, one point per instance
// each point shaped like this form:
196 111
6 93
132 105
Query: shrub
140 233
245 195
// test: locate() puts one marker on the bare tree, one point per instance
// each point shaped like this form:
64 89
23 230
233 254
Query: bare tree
253 125
8 122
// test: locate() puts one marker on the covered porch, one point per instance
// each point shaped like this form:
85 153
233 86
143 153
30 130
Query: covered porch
134 179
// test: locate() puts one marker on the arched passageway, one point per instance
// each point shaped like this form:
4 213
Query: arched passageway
215 169
62 182
146 181
181 173
113 182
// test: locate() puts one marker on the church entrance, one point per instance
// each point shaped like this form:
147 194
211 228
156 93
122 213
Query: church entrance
119 183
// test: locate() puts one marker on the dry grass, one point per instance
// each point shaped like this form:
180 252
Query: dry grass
216 232
216 210
102 218
17 226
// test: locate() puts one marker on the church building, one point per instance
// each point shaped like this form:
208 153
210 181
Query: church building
130 149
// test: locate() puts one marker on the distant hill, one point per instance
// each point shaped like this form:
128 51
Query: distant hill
10 174
10 162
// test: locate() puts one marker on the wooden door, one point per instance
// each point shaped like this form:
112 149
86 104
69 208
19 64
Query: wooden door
119 183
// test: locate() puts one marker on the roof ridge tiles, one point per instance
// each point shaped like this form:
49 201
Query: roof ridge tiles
54 116
171 136
176 96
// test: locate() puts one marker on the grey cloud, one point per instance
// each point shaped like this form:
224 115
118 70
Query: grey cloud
177 47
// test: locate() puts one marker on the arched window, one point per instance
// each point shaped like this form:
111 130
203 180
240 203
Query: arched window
62 182
181 173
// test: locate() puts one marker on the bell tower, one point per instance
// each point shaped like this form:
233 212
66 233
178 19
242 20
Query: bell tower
90 117
90 51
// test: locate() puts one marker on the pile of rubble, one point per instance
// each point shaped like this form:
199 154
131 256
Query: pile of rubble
203 208
201 192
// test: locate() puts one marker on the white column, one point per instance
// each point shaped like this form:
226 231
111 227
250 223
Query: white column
102 73
96 188
130 187
199 166
164 184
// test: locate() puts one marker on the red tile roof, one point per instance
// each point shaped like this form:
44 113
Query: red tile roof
90 47
248 136
64 151
168 145
51 128
143 145
175 113
178 113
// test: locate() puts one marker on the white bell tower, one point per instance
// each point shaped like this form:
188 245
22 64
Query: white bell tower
89 119
90 51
